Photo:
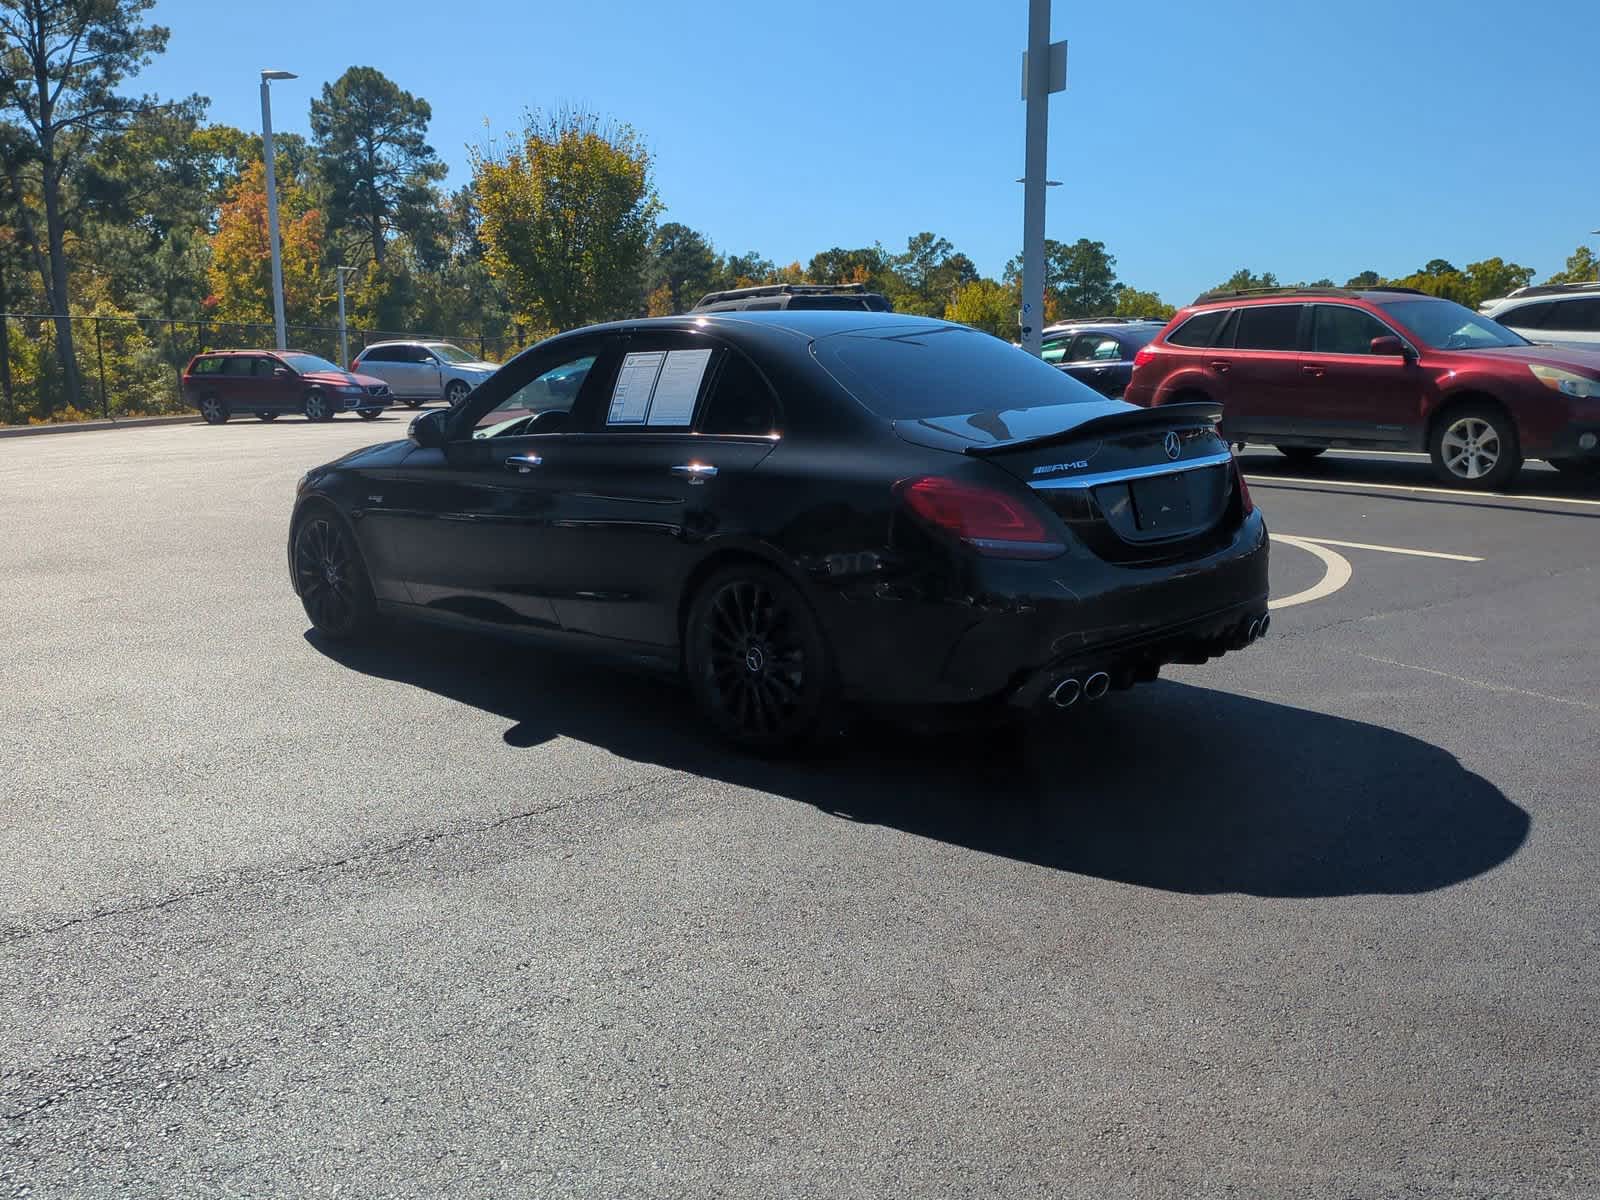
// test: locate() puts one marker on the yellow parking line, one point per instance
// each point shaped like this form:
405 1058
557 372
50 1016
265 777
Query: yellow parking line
1269 480
1389 549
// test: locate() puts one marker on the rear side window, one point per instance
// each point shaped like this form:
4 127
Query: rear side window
915 372
380 354
1337 329
206 366
740 401
1575 315
238 365
1527 316
1199 330
1054 350
1268 327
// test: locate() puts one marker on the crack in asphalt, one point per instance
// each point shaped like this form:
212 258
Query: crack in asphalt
18 934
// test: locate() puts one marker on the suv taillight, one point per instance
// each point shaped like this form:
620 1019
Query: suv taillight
993 522
1144 355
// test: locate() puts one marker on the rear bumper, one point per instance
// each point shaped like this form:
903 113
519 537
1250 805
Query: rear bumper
1008 629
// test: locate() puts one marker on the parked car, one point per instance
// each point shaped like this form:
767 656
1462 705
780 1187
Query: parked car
1098 352
773 296
1304 369
1559 314
269 383
798 511
419 372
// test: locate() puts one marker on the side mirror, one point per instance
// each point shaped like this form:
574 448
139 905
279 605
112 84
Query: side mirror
1390 345
282 372
429 430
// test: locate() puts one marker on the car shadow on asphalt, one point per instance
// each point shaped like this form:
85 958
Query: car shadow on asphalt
1169 786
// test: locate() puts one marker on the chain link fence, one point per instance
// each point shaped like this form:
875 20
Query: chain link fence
133 366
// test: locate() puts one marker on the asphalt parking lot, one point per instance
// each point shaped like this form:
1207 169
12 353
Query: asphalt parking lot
439 918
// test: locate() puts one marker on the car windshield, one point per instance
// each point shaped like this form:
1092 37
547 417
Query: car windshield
304 363
451 353
1446 325
943 370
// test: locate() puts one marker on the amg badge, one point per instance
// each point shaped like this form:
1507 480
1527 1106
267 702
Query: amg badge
1069 466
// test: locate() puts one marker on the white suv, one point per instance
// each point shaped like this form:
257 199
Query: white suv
1557 314
421 371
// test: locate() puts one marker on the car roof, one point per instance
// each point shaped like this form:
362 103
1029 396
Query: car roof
1372 295
1099 326
805 322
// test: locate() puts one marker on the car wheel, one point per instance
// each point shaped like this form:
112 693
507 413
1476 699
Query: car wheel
1476 446
413 403
331 578
756 659
214 409
1300 454
368 414
266 416
456 392
317 407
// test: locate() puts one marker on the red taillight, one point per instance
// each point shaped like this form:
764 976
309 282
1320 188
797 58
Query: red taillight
1144 355
989 520
1244 489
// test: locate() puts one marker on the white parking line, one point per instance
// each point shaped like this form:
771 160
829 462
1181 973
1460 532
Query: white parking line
1485 684
1335 575
1388 549
1269 480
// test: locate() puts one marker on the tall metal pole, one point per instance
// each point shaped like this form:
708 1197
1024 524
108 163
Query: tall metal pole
272 202
344 344
1037 95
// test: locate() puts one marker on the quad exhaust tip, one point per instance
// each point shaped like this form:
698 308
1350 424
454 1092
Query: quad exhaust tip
1097 685
1065 694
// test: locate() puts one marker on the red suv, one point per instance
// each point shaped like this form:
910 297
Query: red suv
269 382
1304 369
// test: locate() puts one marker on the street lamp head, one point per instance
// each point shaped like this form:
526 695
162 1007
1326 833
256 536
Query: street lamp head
279 75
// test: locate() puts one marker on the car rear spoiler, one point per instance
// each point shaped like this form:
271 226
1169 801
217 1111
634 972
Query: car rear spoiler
1169 415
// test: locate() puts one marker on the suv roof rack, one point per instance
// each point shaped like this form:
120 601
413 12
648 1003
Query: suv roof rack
1249 293
1101 321
784 289
1551 289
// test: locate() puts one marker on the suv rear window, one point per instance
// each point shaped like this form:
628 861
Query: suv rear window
943 370
1198 330
1269 327
206 366
1581 315
1527 316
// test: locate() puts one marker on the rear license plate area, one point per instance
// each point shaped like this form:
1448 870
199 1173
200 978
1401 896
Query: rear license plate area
1162 504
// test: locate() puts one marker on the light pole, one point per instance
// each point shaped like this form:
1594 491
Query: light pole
1596 233
272 200
344 345
1044 70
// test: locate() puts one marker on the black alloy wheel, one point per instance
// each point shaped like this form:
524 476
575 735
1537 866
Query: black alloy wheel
1300 454
756 659
214 409
456 392
367 414
266 416
330 577
317 407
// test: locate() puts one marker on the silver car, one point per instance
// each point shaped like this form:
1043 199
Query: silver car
419 372
1555 314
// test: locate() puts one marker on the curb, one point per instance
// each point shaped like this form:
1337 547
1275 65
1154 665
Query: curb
77 426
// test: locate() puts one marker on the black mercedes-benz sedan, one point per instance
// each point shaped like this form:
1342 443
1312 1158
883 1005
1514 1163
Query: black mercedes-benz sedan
801 511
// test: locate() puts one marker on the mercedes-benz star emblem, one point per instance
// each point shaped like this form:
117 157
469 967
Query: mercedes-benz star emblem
1172 445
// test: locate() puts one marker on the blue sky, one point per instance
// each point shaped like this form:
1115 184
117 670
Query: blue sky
1193 139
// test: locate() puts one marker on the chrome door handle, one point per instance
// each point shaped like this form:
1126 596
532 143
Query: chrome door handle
523 463
694 471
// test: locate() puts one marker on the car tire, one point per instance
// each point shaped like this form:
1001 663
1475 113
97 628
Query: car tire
367 414
331 577
214 410
757 661
456 392
266 416
1475 446
413 403
1300 454
317 406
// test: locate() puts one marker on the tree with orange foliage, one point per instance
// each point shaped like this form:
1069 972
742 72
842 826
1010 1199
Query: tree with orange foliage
240 274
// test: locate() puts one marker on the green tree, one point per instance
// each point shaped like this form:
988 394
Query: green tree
866 264
986 305
62 63
1131 302
1581 267
1244 280
1080 279
1494 277
566 217
370 138
1366 279
682 261
928 275
746 270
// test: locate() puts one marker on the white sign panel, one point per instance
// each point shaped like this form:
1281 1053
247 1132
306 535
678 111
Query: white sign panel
630 399
678 386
